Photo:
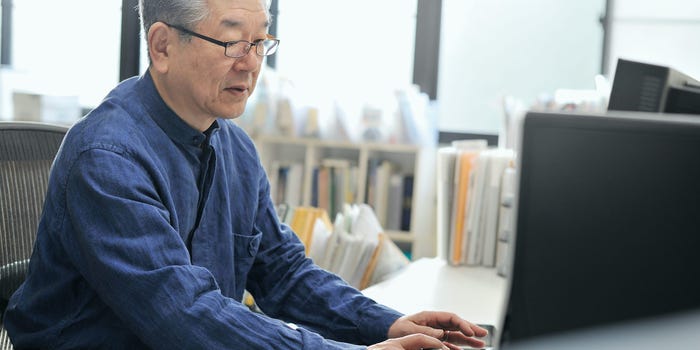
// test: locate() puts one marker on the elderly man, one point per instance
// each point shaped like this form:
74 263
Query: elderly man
158 216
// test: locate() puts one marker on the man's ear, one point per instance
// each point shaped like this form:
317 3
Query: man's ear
159 40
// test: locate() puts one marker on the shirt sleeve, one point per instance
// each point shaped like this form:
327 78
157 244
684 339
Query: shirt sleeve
124 245
288 285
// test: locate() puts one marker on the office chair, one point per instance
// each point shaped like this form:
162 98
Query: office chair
27 150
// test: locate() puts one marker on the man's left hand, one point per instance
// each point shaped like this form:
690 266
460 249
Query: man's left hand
448 327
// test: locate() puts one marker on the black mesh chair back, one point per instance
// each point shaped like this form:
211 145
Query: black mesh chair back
27 151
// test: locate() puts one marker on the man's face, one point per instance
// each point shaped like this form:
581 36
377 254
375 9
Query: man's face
202 82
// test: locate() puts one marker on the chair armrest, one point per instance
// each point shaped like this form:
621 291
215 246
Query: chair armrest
11 277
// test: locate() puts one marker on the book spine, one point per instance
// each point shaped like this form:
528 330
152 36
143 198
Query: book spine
407 203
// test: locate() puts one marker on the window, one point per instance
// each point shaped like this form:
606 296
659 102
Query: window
646 31
492 49
360 49
62 48
363 50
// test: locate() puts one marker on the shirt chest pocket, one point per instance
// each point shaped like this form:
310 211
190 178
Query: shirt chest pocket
245 248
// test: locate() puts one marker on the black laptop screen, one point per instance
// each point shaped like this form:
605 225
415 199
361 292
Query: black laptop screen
608 222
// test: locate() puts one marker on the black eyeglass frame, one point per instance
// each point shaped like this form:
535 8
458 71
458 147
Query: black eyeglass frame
227 44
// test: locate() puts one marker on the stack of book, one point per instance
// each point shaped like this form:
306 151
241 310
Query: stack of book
334 183
475 195
354 247
286 182
390 193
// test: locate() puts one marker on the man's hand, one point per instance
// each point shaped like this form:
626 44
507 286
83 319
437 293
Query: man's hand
410 342
446 327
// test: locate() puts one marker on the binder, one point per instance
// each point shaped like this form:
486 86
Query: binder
463 169
499 161
303 221
468 152
475 211
446 159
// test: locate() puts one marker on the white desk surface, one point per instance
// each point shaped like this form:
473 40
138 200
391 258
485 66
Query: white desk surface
477 294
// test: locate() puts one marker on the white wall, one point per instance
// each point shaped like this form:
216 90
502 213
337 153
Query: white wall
493 48
659 32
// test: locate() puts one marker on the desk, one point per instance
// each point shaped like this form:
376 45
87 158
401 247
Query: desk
475 293
478 295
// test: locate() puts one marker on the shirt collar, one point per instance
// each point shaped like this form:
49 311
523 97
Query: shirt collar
167 120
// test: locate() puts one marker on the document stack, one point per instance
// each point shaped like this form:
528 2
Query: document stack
354 247
475 196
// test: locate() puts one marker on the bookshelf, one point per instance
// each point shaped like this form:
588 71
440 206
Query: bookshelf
404 159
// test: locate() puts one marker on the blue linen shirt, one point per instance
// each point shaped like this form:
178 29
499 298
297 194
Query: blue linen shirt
150 233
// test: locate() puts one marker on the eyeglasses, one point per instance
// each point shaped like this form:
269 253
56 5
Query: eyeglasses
238 48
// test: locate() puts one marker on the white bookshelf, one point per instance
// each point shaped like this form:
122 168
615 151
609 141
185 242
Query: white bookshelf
407 159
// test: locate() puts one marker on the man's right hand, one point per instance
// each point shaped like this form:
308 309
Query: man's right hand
410 342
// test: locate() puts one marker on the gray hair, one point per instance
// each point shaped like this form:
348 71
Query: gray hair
181 12
186 13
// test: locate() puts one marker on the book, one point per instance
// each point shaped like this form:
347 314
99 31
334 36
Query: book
286 182
506 219
446 158
373 261
377 194
282 174
406 202
381 199
395 202
314 187
499 161
371 181
386 260
293 184
506 215
339 183
319 241
463 169
475 211
303 222
323 199
467 152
